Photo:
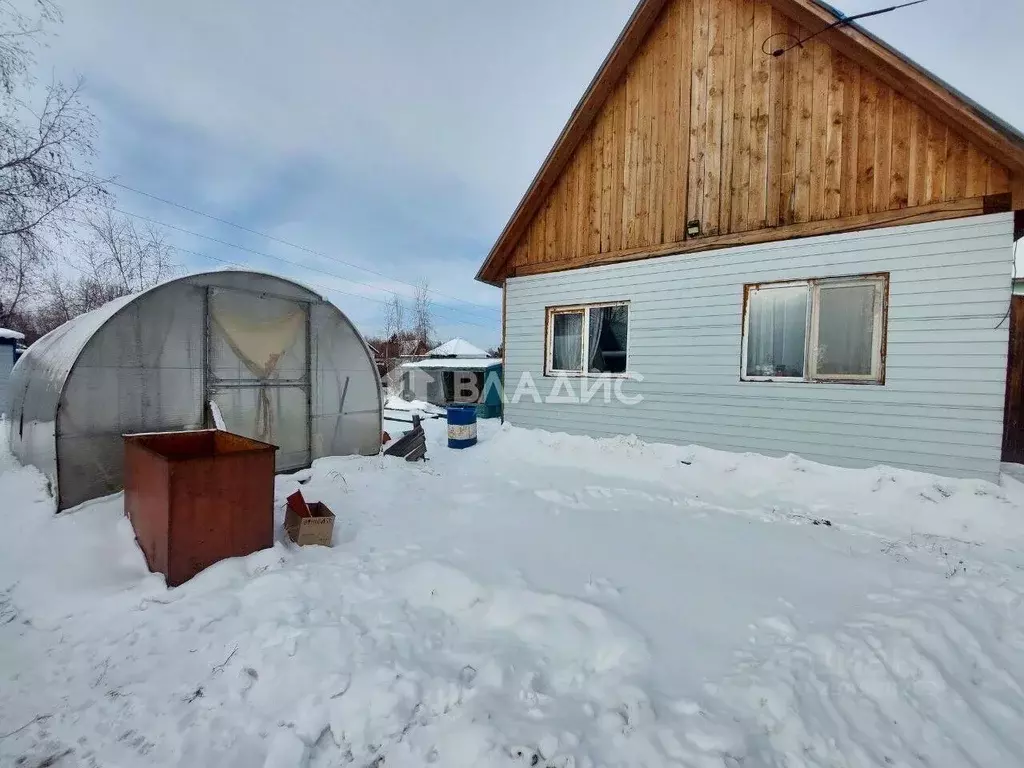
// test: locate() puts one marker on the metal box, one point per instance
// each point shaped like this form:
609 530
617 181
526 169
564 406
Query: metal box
195 498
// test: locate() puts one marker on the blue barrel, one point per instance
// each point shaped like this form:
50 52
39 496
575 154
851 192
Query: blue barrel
461 426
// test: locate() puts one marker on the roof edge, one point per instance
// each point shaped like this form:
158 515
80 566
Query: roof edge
995 135
614 64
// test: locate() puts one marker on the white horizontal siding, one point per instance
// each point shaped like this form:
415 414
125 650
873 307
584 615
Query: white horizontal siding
940 410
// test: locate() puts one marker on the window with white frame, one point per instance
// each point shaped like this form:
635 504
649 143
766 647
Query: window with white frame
587 339
816 330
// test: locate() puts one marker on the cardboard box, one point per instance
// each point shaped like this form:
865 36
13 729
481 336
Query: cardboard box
308 523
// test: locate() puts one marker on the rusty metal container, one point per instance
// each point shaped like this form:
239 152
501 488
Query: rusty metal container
195 498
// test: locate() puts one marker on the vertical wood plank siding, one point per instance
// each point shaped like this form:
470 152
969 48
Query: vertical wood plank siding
940 410
704 126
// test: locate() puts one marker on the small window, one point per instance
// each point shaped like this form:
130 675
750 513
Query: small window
588 339
815 330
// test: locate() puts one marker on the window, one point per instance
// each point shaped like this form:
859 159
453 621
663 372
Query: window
587 339
816 330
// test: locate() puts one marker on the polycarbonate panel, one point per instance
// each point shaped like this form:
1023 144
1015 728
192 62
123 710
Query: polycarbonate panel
36 385
136 364
347 398
256 337
140 372
273 414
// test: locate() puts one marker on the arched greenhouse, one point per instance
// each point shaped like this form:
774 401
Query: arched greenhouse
278 361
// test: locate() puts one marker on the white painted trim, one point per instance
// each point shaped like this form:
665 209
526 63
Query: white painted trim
877 331
750 290
549 344
810 373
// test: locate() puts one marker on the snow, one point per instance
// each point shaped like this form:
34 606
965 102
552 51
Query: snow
420 407
7 333
539 599
453 364
457 347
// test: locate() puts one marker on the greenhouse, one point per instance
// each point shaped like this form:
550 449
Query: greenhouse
264 356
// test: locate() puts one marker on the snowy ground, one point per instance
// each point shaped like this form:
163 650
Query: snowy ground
537 600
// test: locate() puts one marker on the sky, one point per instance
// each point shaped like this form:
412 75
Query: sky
382 143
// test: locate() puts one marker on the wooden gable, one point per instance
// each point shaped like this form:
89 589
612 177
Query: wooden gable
703 126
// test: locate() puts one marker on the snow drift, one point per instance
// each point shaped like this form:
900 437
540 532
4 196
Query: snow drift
540 600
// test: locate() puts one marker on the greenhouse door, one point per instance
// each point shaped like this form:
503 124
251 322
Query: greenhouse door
257 369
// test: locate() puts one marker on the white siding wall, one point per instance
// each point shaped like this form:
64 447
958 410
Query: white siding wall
940 410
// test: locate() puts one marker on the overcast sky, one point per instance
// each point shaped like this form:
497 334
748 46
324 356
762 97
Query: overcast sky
394 136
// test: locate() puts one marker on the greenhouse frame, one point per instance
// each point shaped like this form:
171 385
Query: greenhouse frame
267 357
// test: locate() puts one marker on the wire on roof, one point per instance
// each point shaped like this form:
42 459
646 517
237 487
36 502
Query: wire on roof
841 22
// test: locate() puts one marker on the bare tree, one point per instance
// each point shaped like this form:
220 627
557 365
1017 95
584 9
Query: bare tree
423 316
41 154
394 317
19 35
117 258
20 270
44 154
123 257
393 332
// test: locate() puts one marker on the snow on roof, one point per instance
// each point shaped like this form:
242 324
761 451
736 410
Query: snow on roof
7 333
456 363
457 348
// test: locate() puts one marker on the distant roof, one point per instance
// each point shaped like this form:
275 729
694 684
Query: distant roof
457 348
455 363
7 333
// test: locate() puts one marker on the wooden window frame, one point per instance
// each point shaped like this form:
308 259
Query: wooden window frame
810 375
549 339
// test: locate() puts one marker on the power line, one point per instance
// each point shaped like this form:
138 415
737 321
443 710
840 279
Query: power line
321 286
283 260
275 239
311 284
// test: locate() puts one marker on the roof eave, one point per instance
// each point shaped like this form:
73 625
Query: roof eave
611 69
996 136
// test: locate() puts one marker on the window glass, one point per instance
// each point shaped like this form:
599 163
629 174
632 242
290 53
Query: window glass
567 341
608 328
846 327
776 331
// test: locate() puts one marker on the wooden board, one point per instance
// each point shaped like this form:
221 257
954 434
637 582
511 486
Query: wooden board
704 126
1013 418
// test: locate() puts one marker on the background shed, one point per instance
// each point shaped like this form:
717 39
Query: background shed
281 363
455 372
8 354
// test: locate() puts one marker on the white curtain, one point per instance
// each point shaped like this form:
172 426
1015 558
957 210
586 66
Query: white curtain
259 343
567 352
596 323
776 331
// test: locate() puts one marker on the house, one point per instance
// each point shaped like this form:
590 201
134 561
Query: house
456 347
9 346
455 372
396 349
753 239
